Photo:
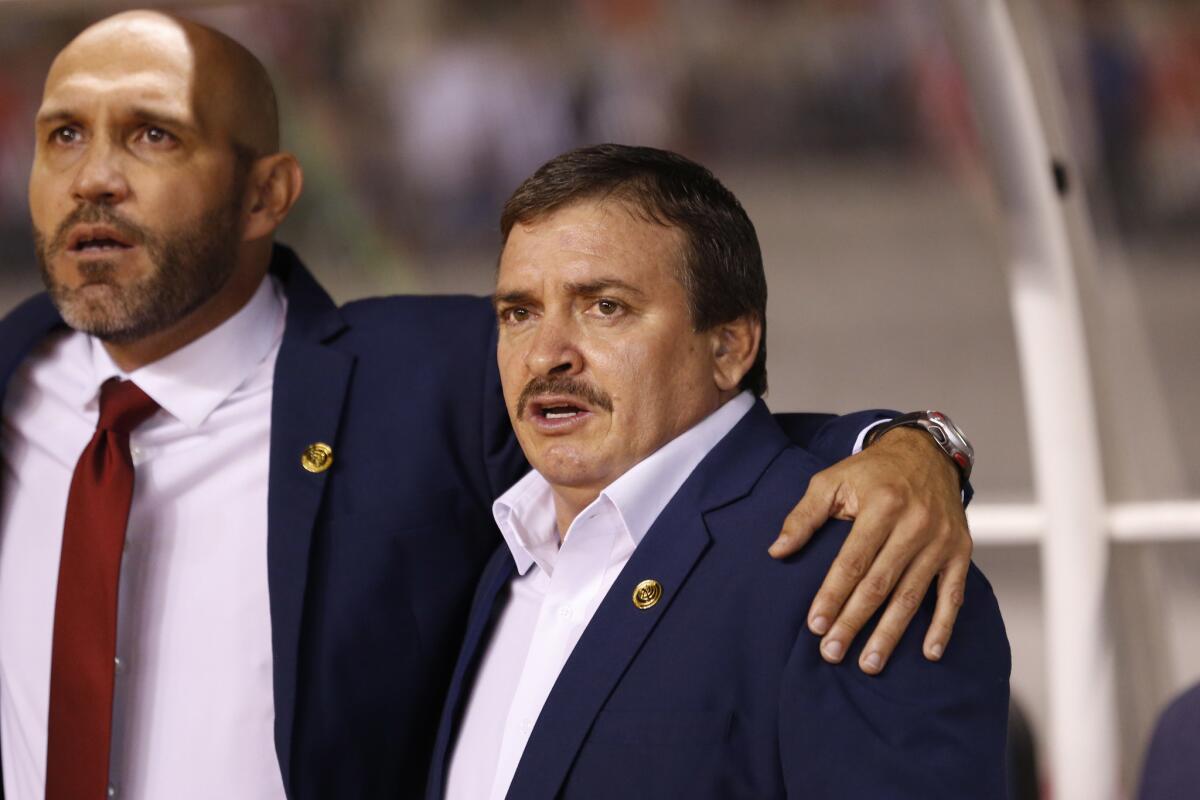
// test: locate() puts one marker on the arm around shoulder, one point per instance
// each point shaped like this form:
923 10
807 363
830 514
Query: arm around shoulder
830 437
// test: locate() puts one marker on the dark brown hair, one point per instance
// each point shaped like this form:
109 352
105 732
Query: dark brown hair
722 268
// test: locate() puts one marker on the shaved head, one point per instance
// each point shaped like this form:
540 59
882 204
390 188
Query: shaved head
157 183
227 87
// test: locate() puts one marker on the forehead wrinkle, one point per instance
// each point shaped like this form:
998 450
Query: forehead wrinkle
585 238
143 89
145 56
616 213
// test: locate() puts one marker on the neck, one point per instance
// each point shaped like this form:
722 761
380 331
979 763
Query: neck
568 502
232 297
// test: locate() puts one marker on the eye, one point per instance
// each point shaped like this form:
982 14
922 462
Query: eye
66 135
608 307
157 137
515 314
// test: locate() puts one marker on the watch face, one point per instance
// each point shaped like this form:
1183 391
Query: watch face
945 434
955 437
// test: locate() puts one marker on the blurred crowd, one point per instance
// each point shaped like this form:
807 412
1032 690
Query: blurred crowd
414 120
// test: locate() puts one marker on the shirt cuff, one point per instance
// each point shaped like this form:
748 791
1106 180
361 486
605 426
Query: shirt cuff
862 436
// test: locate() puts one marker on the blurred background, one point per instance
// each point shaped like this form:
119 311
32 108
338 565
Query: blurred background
846 129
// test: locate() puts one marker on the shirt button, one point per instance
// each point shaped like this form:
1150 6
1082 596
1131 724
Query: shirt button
564 612
526 725
112 790
136 453
119 665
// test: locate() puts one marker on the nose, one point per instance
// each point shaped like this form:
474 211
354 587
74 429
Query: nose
554 349
99 178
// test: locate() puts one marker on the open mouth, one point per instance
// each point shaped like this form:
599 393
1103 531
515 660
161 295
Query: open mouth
557 414
98 239
561 412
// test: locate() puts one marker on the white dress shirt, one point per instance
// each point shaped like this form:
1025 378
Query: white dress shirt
558 589
194 712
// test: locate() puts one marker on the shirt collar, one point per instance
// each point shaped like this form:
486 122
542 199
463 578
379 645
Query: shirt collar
525 513
193 381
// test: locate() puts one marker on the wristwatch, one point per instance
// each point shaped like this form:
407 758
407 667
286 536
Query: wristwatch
945 433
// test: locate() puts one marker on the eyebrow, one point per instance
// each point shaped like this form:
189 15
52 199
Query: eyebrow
602 285
583 289
511 298
139 112
53 115
160 118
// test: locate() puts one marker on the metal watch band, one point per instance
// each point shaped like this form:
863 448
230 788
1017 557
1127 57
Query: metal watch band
945 434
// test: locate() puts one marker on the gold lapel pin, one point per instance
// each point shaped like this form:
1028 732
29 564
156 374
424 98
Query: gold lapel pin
317 457
647 593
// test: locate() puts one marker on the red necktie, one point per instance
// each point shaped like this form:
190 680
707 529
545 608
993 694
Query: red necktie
82 666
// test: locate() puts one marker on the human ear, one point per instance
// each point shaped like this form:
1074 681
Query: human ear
272 188
734 349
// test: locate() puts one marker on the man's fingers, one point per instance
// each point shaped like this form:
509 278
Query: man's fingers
867 597
809 514
910 593
850 567
951 585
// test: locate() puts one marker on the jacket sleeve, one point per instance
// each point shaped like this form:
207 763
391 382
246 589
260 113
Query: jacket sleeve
828 436
832 438
920 729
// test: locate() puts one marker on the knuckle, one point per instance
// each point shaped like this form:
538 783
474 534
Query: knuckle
875 589
801 510
947 533
967 549
909 599
847 628
922 521
888 498
854 566
821 483
954 598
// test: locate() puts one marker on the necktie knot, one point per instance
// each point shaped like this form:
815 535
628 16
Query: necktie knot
123 406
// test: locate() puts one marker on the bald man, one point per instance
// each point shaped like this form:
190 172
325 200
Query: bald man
240 527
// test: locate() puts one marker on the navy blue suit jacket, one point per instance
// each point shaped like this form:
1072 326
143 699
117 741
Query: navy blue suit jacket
1171 770
718 691
372 564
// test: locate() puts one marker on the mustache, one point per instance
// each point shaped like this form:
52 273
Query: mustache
92 214
561 384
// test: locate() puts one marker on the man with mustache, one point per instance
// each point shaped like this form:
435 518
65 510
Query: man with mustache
631 636
239 526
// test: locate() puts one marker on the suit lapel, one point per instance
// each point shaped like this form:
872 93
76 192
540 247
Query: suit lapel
670 550
20 332
311 381
496 577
